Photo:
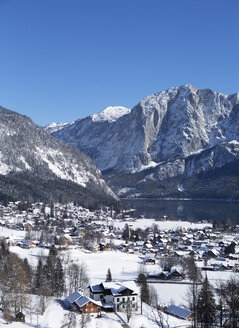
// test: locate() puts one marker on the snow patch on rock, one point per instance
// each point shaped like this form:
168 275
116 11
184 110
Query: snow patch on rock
110 114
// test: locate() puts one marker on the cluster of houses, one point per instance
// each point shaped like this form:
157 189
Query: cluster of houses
67 225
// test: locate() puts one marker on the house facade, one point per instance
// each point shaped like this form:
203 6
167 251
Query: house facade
79 303
115 296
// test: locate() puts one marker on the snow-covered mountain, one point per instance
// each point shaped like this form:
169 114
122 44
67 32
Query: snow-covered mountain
32 160
180 132
110 114
54 127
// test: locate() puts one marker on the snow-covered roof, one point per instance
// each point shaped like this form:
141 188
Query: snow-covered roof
178 311
73 297
115 287
130 284
97 288
82 301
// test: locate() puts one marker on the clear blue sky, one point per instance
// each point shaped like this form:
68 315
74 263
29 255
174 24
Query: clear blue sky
65 59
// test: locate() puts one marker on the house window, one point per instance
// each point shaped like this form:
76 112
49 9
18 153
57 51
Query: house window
101 296
123 306
133 298
92 310
123 299
118 299
86 310
133 305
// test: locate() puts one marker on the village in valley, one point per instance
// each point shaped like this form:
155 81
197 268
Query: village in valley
115 270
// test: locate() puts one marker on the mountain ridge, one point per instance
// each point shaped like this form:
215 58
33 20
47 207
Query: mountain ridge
169 133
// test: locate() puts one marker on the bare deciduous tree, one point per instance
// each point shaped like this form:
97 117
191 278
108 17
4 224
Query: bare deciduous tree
78 277
159 318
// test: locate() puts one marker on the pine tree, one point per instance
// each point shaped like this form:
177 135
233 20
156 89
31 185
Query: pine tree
108 276
144 289
206 307
231 298
4 249
59 279
230 249
49 273
126 232
27 269
39 278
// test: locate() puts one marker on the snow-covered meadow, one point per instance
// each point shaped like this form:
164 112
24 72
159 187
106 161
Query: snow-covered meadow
162 225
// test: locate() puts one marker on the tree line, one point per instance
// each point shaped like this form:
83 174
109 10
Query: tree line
18 280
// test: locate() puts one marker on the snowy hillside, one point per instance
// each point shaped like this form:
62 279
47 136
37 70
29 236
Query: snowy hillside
30 156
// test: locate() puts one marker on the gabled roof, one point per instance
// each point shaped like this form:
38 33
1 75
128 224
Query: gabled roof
114 288
73 297
82 301
97 288
178 311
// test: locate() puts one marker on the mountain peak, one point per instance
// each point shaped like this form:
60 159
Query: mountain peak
53 127
110 114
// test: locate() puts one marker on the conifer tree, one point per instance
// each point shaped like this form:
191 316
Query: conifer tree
144 289
27 269
59 279
49 273
108 276
39 278
206 307
126 232
231 298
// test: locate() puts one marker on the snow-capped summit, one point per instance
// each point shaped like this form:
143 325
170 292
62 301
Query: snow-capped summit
110 114
53 127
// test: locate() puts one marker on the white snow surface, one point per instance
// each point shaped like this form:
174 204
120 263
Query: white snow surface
53 127
61 166
162 225
110 114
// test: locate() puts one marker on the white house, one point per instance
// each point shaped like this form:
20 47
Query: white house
115 296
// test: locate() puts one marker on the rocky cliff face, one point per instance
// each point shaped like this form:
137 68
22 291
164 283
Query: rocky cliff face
174 134
34 165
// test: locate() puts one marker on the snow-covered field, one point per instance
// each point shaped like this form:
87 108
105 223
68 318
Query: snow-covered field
16 234
172 293
163 225
123 266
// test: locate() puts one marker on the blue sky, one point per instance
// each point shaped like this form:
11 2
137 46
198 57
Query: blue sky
65 59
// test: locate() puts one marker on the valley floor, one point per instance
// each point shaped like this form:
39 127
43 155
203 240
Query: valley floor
123 267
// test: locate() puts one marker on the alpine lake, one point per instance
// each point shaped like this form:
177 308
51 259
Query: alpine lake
219 211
